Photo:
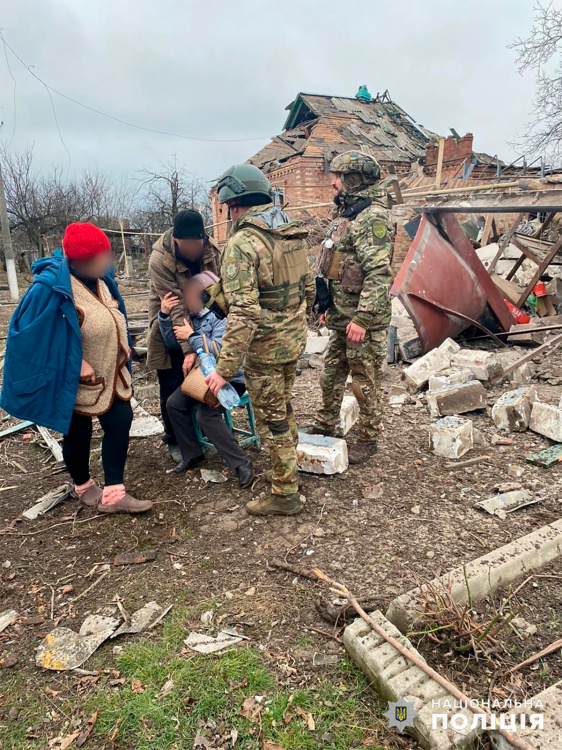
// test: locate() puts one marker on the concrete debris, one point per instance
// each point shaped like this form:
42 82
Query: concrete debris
450 376
47 502
349 413
316 344
483 365
546 458
417 375
206 644
546 419
144 424
409 344
499 505
96 624
457 399
520 623
317 454
398 395
451 437
7 618
524 373
512 411
52 443
515 471
523 335
546 738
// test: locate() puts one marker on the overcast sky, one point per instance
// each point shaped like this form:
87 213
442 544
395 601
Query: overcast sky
227 70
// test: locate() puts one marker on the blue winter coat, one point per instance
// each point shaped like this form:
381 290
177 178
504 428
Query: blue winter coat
44 348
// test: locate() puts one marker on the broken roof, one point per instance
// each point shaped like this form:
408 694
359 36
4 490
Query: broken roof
319 125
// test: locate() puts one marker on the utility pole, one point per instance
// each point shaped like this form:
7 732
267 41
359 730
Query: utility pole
7 243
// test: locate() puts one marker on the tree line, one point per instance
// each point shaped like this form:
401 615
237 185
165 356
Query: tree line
41 203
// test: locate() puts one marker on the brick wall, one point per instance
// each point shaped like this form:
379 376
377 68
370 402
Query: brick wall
455 151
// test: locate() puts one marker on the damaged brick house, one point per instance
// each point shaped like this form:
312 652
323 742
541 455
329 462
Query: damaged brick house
320 126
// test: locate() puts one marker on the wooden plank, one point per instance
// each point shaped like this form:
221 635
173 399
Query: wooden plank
52 443
546 223
505 242
487 229
439 162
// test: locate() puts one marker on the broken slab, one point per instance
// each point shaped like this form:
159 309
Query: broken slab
394 677
349 413
524 373
546 419
317 454
398 395
512 411
451 437
63 649
457 399
483 365
507 502
144 424
522 333
417 374
206 644
486 574
48 501
316 344
450 376
143 619
546 458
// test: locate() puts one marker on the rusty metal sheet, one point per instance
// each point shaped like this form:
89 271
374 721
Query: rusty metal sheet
434 269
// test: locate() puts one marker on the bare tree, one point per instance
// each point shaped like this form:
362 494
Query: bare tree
168 190
541 51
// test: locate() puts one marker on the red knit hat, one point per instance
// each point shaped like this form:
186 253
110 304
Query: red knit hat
84 240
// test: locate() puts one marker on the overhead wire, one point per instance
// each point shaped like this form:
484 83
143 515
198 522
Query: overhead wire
119 119
14 94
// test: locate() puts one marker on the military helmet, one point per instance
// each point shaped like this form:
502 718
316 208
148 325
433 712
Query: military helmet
356 162
245 184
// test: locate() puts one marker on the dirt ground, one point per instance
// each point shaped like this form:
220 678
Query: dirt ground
422 523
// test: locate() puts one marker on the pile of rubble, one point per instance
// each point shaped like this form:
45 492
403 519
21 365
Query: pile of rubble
454 378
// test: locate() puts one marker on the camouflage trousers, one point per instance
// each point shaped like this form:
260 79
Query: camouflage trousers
364 361
269 388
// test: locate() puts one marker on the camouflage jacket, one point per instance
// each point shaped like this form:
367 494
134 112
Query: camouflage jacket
361 277
261 335
168 273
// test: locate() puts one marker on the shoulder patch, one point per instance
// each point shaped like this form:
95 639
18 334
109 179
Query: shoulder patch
379 230
231 269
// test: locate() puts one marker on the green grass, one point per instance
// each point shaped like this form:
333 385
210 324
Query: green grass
207 688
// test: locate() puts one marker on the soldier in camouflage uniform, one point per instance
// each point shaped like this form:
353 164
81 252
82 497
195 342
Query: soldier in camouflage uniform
354 264
268 286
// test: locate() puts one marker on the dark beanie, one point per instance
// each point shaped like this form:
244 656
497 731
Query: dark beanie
188 225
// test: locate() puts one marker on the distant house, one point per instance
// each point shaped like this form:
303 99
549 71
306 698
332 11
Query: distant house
318 127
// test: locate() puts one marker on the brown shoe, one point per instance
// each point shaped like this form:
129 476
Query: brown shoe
92 496
361 451
275 505
127 504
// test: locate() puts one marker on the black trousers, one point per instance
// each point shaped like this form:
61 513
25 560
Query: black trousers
116 424
169 380
212 426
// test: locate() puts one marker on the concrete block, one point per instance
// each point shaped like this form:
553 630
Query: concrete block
393 676
349 414
457 399
316 344
524 373
520 334
398 395
450 376
547 738
317 454
486 574
483 365
546 419
512 411
418 374
451 437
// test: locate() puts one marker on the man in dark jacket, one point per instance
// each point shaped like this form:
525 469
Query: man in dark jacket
181 252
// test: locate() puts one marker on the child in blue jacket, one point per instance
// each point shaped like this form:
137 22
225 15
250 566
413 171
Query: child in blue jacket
206 323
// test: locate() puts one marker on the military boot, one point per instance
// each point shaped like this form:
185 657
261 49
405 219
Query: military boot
275 505
317 429
361 451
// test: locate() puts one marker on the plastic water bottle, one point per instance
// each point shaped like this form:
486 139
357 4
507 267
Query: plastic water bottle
227 395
